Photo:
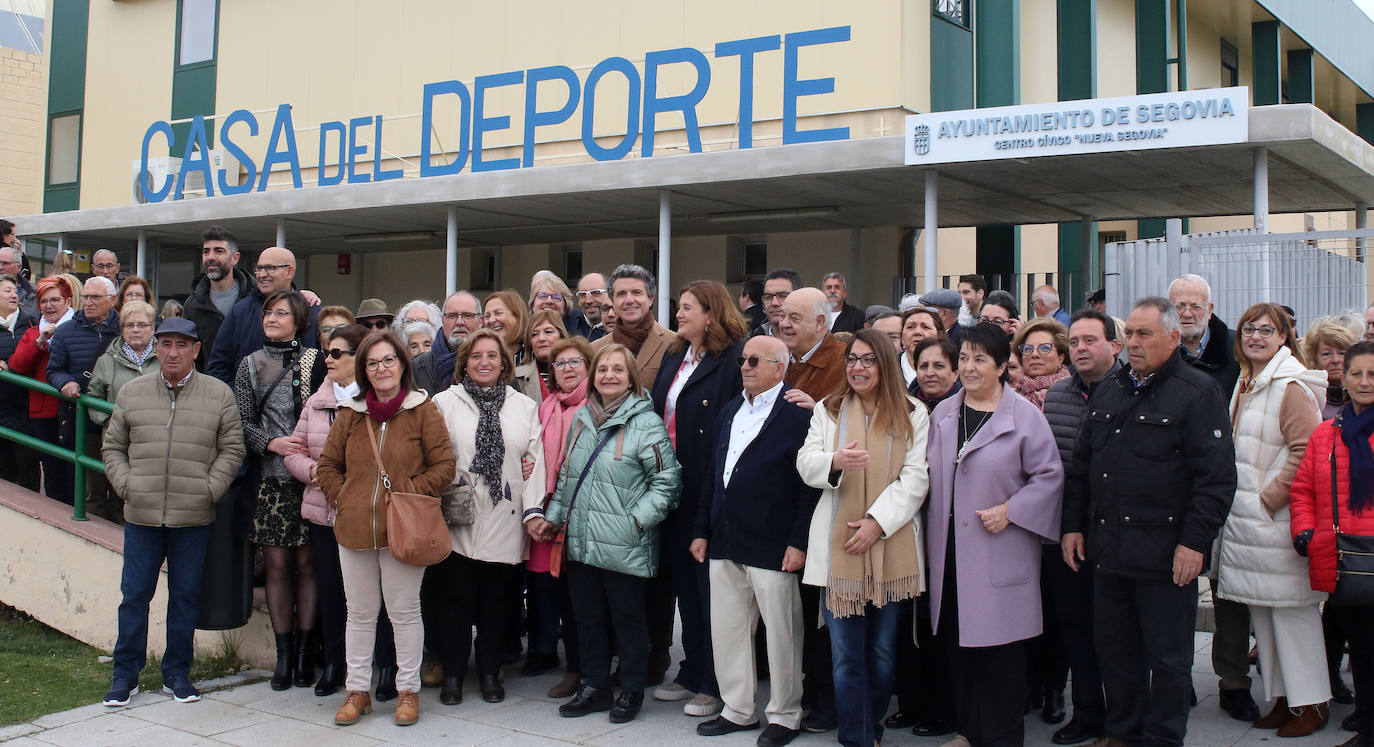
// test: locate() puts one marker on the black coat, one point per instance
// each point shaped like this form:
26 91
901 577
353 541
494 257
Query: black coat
851 319
714 383
1218 359
766 508
1153 468
1065 405
75 347
14 400
203 313
754 316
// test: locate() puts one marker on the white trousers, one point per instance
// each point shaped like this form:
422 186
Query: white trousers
368 577
1292 653
740 595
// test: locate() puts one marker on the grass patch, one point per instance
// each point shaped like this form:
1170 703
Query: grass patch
44 671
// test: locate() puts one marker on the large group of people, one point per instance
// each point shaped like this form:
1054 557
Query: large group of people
944 501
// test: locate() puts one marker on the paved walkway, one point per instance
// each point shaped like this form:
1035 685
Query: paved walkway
255 715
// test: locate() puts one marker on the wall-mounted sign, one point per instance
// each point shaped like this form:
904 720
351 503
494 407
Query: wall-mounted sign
1162 120
342 147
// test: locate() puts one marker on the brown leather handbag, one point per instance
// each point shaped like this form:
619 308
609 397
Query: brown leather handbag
415 528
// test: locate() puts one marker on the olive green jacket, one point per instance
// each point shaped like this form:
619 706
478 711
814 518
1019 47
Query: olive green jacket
112 371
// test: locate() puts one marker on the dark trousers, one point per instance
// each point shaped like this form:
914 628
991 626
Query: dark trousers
1144 634
604 601
57 474
1333 632
333 607
818 679
1231 643
19 464
144 550
691 585
1049 662
923 673
1072 594
475 592
1358 622
551 618
864 650
990 684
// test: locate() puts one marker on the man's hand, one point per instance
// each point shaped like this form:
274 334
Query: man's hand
869 532
1187 565
71 389
1072 546
526 467
793 559
799 398
994 519
286 445
849 458
310 297
698 550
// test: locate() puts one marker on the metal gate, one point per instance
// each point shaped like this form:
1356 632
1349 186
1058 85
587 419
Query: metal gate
1316 273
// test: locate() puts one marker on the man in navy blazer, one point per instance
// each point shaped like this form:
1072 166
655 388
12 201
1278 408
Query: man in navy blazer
752 523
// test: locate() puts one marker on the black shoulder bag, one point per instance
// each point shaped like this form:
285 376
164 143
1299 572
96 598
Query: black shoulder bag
1354 555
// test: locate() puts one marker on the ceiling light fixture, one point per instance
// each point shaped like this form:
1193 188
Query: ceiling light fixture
367 238
816 212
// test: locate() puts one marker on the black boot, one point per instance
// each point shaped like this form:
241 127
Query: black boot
386 684
331 677
1052 712
305 659
281 676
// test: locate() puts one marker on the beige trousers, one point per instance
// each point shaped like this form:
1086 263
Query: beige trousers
368 577
740 595
1292 653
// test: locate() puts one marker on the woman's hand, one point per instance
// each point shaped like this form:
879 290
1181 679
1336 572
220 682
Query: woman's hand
994 519
537 529
869 532
286 445
314 475
849 458
526 467
698 549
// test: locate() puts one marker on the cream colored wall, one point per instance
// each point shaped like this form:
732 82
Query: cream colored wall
1204 56
1115 48
23 117
1039 64
915 57
1039 248
128 87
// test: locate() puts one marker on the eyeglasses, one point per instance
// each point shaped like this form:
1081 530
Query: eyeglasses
544 296
466 316
1250 330
752 361
332 328
269 269
607 308
1043 348
105 265
276 313
570 363
337 353
591 293
376 323
94 296
1196 308
779 297
138 325
998 322
865 361
388 362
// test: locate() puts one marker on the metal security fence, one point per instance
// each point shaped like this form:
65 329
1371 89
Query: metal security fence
1316 273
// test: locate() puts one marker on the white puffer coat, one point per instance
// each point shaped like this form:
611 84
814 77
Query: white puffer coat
1258 565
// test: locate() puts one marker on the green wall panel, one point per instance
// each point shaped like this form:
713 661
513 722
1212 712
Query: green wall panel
1151 46
997 42
1364 121
193 92
1266 86
1301 76
951 66
66 89
1076 25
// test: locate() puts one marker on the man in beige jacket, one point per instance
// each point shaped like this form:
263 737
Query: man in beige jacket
171 449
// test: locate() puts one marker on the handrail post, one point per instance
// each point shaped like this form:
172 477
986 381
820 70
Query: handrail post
79 448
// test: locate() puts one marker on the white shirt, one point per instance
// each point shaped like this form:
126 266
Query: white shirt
830 317
745 426
810 352
689 364
9 321
908 372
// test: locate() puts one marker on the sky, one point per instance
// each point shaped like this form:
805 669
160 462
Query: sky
1367 6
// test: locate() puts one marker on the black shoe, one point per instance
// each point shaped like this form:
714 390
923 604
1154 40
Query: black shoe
936 727
627 706
776 735
386 684
721 725
537 664
1359 740
587 700
1192 695
1340 693
511 653
1037 698
901 720
452 691
331 677
1052 712
282 675
1349 723
820 720
305 659
1076 732
492 692
1239 704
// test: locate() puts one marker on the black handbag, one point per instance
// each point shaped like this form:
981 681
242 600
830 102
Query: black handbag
1354 557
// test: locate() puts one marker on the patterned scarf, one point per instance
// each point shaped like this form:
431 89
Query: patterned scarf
490 454
602 412
138 358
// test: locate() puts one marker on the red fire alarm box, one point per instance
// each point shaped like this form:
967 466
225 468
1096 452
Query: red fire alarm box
345 264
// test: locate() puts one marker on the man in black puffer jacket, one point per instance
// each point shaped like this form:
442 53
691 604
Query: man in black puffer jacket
221 285
1151 482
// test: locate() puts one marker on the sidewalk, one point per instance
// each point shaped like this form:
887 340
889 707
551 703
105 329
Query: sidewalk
255 715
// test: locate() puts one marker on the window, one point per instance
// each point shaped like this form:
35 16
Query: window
1230 64
572 263
64 149
954 11
196 34
755 259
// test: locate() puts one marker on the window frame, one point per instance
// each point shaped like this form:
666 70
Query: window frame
80 114
213 60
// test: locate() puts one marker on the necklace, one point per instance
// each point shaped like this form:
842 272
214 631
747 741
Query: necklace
966 434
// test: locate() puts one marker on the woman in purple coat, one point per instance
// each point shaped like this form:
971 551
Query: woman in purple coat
995 488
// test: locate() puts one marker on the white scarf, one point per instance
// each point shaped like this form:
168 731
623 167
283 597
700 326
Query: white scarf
44 324
342 393
8 322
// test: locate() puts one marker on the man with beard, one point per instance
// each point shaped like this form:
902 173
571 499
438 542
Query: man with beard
241 333
433 370
843 316
219 287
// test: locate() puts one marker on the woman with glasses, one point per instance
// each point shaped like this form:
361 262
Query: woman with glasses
570 365
1274 409
1000 308
548 292
412 442
995 488
127 358
134 288
918 324
696 379
332 319
30 359
546 329
866 449
1042 347
497 445
272 386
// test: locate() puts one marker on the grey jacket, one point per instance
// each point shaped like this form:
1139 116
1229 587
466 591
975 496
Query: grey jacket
1065 403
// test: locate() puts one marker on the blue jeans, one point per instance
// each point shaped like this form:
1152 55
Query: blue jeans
864 648
144 550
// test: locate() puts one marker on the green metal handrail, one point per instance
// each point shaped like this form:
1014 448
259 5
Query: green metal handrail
76 454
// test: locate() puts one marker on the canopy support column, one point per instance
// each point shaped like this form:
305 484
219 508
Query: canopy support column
451 253
1261 190
141 258
281 232
665 252
932 227
1361 221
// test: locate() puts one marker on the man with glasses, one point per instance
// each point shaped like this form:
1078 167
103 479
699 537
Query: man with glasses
105 264
220 285
753 527
591 296
12 264
778 284
241 333
433 370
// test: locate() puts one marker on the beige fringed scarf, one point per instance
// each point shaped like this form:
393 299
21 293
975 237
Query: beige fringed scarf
888 571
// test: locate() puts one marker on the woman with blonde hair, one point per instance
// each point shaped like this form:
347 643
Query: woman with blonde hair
1324 347
549 292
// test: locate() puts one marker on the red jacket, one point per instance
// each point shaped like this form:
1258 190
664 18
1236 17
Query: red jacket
1310 503
32 361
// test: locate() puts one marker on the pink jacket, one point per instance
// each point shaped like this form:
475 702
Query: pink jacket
316 418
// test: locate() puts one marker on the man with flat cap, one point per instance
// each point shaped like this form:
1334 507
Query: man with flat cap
947 303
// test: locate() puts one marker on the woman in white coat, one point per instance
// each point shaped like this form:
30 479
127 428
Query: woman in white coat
497 442
1275 407
866 450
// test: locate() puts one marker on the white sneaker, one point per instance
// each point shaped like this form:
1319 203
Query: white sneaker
672 691
704 705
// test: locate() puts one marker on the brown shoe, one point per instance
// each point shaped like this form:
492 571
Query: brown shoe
1306 720
355 706
432 674
407 708
566 687
1275 718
